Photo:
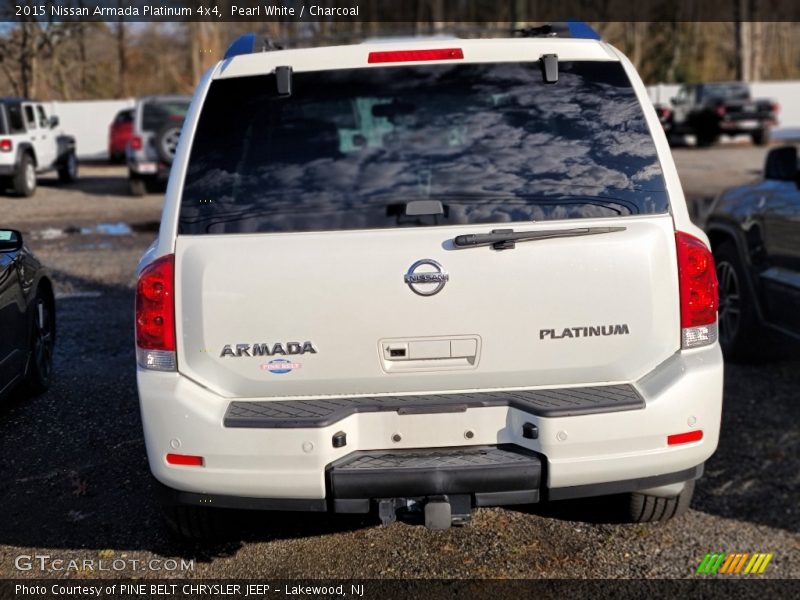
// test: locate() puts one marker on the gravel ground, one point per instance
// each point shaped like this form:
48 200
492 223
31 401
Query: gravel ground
75 483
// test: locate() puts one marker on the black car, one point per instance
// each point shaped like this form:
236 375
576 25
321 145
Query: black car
755 234
710 110
27 319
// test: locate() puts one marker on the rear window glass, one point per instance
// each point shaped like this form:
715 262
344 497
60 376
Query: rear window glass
349 149
156 115
724 91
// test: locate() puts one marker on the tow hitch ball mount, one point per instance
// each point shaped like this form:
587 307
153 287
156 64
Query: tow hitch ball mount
440 512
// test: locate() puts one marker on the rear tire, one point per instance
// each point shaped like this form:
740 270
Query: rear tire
24 180
706 139
738 320
167 142
195 523
43 335
643 508
137 186
761 137
68 170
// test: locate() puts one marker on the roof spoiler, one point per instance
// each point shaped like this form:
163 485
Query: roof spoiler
248 43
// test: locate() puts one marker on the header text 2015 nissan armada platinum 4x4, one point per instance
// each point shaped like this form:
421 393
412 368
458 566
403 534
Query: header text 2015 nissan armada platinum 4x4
434 274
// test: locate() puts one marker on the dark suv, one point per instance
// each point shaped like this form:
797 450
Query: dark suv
755 233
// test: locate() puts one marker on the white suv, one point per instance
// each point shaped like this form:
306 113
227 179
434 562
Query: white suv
428 274
32 144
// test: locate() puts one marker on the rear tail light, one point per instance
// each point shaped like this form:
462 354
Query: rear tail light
697 278
775 107
721 110
155 315
136 142
415 55
6 145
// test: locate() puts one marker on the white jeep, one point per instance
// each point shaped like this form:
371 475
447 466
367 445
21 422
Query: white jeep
30 145
426 275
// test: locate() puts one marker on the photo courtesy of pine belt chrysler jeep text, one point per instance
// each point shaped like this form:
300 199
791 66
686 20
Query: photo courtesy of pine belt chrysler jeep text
428 275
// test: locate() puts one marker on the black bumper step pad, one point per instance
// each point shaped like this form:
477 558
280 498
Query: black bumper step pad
435 471
562 402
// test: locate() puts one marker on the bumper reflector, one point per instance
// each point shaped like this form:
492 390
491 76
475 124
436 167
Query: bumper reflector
702 335
185 460
685 438
156 360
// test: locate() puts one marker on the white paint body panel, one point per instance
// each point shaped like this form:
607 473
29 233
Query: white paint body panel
344 291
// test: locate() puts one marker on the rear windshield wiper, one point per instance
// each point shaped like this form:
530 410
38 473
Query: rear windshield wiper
503 239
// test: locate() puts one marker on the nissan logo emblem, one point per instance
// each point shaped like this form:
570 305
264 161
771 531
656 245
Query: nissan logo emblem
426 277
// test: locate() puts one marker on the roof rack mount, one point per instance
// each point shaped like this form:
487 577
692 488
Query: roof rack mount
572 29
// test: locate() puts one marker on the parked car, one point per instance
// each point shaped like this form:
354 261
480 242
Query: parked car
27 319
426 275
120 134
710 110
30 145
755 233
157 123
664 114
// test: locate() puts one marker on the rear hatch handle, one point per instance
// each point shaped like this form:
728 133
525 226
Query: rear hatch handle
505 239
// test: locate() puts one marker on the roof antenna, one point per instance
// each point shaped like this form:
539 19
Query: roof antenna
549 67
283 77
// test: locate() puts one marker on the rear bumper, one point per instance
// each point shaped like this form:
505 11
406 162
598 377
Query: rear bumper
7 170
582 454
522 487
489 474
743 126
148 169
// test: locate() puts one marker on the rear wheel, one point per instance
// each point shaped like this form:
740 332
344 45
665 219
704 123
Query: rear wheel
68 170
761 136
194 523
167 142
706 138
43 335
738 323
24 181
645 508
137 186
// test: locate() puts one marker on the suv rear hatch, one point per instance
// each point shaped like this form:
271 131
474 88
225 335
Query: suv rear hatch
302 217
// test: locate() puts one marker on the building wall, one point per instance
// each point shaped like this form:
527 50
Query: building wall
89 121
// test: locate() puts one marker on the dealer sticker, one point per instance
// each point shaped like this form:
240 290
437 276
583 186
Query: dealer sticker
280 366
